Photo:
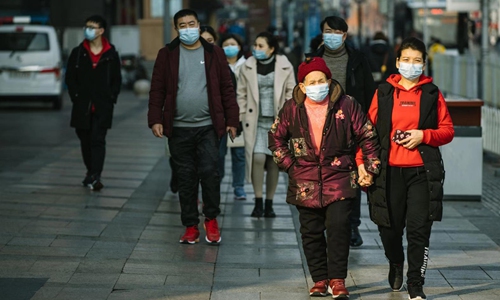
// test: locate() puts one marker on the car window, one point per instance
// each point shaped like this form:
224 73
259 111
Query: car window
24 41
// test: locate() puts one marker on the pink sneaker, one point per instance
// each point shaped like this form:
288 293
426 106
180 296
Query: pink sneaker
191 235
212 231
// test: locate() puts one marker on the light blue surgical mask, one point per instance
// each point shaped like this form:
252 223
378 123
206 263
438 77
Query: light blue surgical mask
260 54
189 36
410 71
231 51
89 34
317 93
333 40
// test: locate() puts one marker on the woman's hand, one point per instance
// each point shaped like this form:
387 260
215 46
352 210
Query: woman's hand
413 140
365 178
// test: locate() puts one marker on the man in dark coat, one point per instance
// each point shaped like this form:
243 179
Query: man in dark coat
381 58
93 78
192 102
351 69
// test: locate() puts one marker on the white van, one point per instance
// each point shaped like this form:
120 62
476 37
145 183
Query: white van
30 64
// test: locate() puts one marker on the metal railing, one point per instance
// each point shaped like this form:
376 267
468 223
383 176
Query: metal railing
457 76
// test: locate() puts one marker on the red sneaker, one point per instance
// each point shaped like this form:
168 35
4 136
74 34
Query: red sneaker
212 231
337 289
191 235
320 289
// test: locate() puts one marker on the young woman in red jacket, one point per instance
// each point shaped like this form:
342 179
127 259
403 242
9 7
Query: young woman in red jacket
412 120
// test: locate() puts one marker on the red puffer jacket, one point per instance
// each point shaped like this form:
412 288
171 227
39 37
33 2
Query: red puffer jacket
317 181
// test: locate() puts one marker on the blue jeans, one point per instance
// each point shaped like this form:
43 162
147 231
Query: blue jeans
238 162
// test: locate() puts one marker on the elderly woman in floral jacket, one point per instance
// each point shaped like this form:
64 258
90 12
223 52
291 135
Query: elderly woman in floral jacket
314 139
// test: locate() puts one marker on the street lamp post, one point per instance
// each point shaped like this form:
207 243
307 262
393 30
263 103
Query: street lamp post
360 22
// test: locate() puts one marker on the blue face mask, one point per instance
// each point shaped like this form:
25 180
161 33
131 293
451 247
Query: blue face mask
410 71
260 54
189 36
231 51
317 93
89 34
333 40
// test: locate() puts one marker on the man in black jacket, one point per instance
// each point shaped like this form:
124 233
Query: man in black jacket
352 70
93 78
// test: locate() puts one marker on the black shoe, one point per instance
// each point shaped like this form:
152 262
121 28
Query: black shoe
356 239
268 209
86 181
258 209
415 291
95 183
395 276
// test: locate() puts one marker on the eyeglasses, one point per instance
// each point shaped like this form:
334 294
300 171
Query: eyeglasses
90 27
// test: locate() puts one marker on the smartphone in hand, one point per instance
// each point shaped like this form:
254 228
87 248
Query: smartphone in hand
230 136
400 135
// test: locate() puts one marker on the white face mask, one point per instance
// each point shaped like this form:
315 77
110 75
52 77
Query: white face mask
189 36
317 93
410 71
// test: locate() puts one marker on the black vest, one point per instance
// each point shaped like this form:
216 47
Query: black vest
431 156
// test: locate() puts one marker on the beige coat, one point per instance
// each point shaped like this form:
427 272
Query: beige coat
248 99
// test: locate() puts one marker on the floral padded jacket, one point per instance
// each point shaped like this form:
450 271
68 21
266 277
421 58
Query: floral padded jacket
317 181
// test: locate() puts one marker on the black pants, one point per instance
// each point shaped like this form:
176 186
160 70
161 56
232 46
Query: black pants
195 155
355 216
408 200
327 258
93 146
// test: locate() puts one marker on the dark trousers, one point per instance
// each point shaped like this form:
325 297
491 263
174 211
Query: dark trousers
195 155
327 258
408 200
355 216
93 146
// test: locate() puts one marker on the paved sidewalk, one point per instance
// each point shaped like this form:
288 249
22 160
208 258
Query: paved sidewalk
59 240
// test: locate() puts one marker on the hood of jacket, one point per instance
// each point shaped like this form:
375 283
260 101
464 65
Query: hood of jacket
335 92
379 47
415 90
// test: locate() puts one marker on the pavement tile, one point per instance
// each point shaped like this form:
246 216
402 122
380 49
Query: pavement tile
72 293
137 294
24 241
46 293
224 273
101 266
231 295
170 268
72 243
131 281
189 280
94 280
43 251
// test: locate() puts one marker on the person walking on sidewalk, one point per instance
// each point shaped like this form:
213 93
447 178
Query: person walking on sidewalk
93 77
192 102
314 139
352 70
265 82
412 120
233 48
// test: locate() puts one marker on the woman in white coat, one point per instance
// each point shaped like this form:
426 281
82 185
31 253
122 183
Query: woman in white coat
265 82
